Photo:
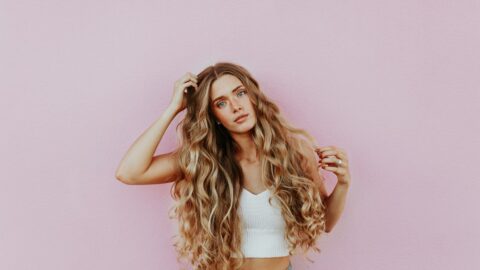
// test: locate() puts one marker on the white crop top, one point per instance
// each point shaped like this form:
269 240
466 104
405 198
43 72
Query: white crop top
263 226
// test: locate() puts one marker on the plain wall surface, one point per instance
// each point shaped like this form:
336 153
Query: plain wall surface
394 83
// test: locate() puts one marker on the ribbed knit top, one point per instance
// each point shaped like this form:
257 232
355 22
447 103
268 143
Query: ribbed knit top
263 226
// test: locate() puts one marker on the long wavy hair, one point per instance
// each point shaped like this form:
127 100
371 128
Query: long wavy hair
207 198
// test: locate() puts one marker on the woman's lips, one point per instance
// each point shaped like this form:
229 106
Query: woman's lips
241 119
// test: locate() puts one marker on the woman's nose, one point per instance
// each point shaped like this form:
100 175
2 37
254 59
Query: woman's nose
236 105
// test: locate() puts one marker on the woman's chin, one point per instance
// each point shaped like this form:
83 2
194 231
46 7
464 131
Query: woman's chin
243 127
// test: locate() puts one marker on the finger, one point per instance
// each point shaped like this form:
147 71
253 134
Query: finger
343 156
327 153
338 171
329 168
331 150
187 84
319 150
343 153
192 78
323 149
188 77
333 161
329 160
190 83
191 75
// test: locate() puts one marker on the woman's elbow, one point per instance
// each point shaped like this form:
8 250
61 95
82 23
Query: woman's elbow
122 178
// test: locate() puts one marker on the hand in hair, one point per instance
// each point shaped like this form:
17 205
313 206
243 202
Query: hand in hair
334 159
181 88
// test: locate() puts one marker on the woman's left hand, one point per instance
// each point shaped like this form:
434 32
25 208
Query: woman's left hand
334 159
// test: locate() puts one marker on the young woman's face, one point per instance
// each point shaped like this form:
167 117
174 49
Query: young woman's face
229 100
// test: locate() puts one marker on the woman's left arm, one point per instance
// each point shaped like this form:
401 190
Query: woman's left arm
335 159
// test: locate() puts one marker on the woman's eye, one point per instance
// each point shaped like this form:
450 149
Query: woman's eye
221 102
243 91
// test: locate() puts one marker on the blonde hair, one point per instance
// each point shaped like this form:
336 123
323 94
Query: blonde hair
207 198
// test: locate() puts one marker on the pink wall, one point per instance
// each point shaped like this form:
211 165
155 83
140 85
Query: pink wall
395 83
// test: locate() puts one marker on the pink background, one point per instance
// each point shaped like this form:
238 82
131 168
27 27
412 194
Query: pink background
395 83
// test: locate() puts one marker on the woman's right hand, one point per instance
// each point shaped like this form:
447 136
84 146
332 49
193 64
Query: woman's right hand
179 99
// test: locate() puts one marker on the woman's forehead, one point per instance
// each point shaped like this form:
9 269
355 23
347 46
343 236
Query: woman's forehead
224 85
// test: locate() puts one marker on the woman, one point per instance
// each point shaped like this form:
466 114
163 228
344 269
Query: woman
247 188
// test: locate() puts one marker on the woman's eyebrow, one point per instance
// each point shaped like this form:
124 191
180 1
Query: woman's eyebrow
235 89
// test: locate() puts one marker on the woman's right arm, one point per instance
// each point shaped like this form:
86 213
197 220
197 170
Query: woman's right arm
138 167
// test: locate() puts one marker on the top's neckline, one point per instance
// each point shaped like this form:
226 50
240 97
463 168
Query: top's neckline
253 194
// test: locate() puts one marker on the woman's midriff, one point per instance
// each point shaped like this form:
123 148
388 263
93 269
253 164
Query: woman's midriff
274 263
